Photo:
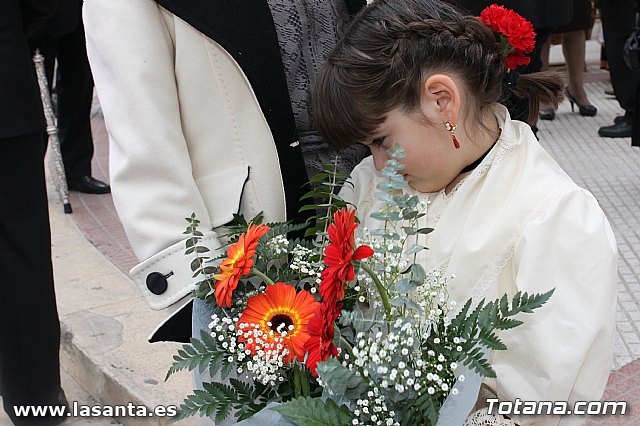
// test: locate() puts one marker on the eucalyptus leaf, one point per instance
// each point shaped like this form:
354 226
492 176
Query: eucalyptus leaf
425 230
409 230
383 196
401 301
417 272
404 286
385 186
341 380
380 215
414 249
409 214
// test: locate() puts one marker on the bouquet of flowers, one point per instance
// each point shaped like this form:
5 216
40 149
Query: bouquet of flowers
336 329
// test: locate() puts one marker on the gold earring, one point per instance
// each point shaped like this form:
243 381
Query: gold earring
451 128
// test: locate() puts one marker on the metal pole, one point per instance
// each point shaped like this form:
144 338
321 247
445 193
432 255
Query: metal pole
60 177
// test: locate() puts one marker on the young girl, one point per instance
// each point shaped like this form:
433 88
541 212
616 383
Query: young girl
507 218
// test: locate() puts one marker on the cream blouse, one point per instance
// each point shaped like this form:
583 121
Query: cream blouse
519 223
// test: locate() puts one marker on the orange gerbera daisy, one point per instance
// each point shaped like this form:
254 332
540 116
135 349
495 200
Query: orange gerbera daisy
237 264
277 320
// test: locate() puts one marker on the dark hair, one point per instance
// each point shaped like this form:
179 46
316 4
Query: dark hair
391 47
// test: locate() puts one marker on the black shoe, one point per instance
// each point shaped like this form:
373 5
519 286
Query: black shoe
52 418
621 129
585 110
88 185
62 402
620 118
547 114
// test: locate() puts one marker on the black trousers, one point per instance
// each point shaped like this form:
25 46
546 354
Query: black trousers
74 94
29 326
618 19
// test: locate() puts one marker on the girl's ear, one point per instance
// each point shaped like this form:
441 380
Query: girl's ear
440 99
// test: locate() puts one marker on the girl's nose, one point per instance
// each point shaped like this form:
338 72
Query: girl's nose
380 157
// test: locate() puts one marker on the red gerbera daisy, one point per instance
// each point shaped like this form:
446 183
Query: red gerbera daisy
237 264
339 254
320 345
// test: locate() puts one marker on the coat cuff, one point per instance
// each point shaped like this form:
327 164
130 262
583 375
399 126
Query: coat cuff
166 277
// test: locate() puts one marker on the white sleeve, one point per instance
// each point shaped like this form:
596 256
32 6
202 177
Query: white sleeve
132 60
564 350
357 189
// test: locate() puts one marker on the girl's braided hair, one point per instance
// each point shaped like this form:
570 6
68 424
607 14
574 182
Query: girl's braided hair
389 50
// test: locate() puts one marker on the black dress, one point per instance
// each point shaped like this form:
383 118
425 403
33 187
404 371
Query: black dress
581 17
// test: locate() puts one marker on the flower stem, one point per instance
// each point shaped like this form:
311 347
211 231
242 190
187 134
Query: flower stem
264 277
304 382
346 345
384 295
297 384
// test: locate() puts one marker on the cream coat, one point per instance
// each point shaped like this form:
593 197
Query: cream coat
186 135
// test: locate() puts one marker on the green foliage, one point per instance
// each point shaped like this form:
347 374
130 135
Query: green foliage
239 224
340 380
477 329
325 201
219 400
401 215
307 411
283 229
199 266
423 411
201 354
361 319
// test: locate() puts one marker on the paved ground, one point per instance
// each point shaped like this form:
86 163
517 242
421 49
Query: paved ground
610 168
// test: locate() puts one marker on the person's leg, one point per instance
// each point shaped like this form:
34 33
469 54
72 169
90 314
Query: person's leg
544 55
29 326
74 86
573 49
618 19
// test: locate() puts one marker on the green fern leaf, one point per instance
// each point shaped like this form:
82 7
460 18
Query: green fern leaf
424 411
205 403
199 354
306 411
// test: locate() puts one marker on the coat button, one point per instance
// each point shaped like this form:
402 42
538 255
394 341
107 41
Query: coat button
157 282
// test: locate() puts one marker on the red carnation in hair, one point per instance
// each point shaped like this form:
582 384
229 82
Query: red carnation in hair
517 37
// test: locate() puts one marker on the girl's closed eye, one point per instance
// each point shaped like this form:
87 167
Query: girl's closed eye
377 141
